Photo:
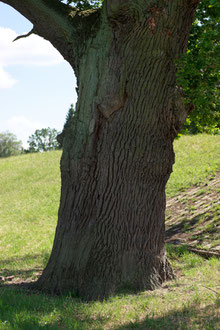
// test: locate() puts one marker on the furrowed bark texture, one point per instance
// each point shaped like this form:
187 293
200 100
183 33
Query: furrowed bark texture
118 151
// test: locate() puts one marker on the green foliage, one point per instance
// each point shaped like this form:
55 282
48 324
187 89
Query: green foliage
69 117
44 139
199 73
85 4
9 145
70 114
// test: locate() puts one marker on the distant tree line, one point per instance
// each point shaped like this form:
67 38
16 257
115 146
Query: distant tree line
45 139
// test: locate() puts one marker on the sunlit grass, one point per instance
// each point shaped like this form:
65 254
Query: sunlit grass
29 197
197 158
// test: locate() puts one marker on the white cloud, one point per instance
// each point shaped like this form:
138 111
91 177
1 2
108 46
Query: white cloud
22 127
6 80
32 50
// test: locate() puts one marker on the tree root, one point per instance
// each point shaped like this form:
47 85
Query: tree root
204 253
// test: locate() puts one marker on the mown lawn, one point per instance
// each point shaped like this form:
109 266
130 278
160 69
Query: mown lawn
29 198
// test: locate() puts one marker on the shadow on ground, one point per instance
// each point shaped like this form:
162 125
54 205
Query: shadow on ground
19 310
187 318
12 271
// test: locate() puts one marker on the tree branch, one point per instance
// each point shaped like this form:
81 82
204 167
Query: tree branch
24 35
57 22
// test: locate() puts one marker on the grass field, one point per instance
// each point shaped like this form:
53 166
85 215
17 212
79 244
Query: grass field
197 159
29 198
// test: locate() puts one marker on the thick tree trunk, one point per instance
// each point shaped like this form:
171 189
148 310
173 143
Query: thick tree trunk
118 154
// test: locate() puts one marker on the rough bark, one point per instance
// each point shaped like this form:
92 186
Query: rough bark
118 150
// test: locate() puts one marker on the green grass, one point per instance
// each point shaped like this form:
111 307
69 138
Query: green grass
29 198
189 302
197 158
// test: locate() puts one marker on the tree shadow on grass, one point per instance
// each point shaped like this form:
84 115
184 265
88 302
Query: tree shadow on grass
189 317
19 273
19 310
180 226
22 309
17 269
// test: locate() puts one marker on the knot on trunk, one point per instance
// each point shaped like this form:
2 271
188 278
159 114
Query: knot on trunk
117 7
111 104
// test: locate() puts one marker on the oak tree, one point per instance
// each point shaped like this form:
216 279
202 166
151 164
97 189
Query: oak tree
118 146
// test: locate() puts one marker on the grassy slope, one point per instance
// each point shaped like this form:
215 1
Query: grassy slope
197 158
29 196
192 216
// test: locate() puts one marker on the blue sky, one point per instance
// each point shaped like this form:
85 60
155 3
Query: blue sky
36 85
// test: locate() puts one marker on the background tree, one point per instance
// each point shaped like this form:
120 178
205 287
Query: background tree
199 70
9 145
118 150
85 4
44 139
70 117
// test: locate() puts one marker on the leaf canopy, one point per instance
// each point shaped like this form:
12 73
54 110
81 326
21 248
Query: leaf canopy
44 139
199 69
9 145
84 4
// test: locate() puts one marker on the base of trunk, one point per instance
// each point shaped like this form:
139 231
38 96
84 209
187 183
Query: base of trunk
93 287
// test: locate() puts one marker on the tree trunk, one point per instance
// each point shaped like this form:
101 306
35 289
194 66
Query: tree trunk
118 148
118 153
